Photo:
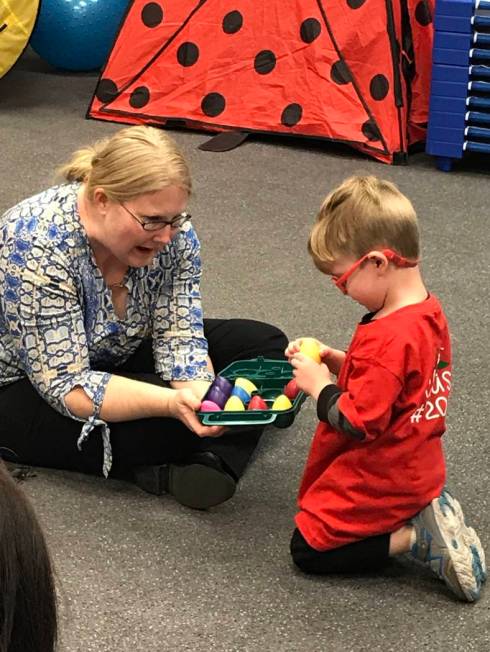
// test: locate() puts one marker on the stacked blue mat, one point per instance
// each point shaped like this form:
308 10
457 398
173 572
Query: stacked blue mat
459 110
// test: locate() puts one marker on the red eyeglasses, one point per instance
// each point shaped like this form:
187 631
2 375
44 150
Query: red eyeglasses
396 259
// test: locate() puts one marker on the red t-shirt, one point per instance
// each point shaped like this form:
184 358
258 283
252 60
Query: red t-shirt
395 383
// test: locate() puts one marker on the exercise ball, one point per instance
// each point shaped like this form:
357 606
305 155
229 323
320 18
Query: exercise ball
77 34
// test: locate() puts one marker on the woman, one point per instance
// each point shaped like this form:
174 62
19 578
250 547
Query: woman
101 323
28 620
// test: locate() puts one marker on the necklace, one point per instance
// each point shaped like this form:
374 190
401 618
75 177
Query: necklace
116 285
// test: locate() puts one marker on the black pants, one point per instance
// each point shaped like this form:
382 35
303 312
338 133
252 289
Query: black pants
368 555
31 432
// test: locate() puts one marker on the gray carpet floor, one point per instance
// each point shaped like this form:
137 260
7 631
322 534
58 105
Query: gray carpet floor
137 572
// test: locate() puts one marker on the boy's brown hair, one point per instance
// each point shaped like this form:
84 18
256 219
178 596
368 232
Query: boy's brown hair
362 214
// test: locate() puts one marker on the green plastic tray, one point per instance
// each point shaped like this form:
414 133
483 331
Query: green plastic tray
269 376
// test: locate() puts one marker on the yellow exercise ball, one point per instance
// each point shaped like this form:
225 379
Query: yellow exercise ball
17 18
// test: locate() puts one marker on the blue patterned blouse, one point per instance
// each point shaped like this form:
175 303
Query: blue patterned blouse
57 321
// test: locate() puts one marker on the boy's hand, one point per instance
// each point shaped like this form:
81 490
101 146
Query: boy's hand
311 377
334 358
294 347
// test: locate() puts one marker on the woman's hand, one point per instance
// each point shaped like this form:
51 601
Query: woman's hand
127 399
183 406
311 377
198 387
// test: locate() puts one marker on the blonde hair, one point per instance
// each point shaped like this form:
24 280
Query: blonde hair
134 161
362 214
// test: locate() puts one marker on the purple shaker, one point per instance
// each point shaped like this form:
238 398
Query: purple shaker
224 384
216 395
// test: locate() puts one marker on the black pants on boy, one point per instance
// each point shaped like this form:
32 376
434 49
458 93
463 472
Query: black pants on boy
33 433
367 555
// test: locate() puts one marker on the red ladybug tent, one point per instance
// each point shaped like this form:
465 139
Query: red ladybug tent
355 71
419 34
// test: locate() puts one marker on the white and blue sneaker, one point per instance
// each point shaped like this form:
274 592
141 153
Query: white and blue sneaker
449 548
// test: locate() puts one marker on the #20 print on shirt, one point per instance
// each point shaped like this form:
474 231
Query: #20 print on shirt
436 394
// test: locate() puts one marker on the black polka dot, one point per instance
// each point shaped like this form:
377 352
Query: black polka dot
379 87
265 62
340 73
139 97
370 130
152 14
291 115
106 90
310 30
355 4
213 104
232 22
187 54
422 13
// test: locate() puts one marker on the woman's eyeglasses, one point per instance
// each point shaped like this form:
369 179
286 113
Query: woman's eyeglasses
156 224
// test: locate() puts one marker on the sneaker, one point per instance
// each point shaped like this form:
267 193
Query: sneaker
449 548
201 483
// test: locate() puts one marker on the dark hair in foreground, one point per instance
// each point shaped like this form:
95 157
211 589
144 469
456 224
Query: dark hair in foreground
28 621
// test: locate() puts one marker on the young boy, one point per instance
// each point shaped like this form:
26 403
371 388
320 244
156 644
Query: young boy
373 486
